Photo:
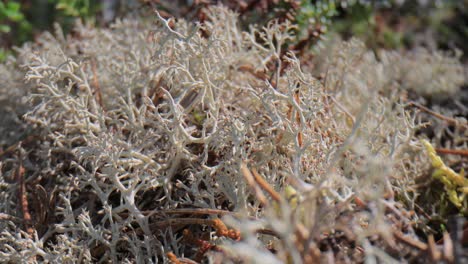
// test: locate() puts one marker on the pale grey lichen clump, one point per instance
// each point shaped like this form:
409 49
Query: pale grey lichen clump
432 74
145 117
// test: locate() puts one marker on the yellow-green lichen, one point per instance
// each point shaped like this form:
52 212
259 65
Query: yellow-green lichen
456 185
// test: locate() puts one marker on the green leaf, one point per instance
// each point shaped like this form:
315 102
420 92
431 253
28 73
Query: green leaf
4 28
12 11
67 8
13 6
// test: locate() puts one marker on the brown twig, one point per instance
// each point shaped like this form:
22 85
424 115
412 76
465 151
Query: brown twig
172 258
97 87
22 196
180 221
13 147
290 117
253 185
298 118
190 211
461 152
410 241
222 230
421 210
249 69
217 224
194 211
433 251
175 260
265 231
203 245
449 120
266 186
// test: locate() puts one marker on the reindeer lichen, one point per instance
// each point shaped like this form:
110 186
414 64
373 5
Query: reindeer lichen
145 139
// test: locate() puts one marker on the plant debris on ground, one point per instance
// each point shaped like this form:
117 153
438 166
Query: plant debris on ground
168 141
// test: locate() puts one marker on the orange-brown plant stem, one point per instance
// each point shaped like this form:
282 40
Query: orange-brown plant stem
410 241
194 211
249 69
298 118
253 185
22 197
172 258
203 246
461 152
266 186
290 117
222 230
97 87
217 224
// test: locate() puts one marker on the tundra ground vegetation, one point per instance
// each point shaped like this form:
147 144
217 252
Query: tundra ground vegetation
169 141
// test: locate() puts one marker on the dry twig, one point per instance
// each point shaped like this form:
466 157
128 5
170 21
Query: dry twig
266 186
449 120
22 196
410 241
461 152
253 185
97 87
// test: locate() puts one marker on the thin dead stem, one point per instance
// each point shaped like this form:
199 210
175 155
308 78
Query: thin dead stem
266 186
449 120
22 196
253 185
97 86
461 152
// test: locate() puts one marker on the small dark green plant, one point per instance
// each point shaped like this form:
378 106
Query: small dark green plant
315 14
12 17
10 12
77 8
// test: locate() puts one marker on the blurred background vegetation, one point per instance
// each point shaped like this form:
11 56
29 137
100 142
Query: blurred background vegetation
391 24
